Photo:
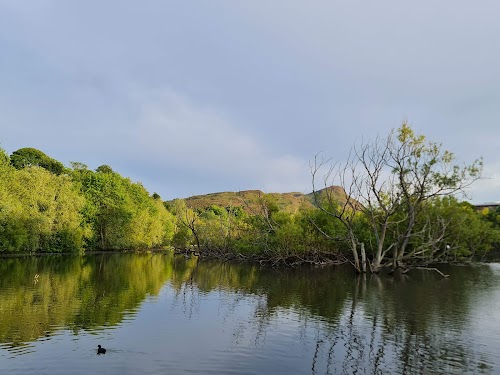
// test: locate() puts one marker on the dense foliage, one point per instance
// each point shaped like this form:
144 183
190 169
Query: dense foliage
404 185
47 208
25 157
458 231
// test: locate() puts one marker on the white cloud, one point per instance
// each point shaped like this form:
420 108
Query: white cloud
176 132
488 188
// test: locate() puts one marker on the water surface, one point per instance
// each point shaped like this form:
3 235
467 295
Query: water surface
164 314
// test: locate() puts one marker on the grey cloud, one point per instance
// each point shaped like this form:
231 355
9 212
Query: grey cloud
255 89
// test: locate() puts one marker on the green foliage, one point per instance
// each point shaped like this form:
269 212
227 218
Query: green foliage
42 210
493 216
183 236
398 179
25 157
77 166
104 169
121 213
4 158
82 292
39 211
248 201
468 233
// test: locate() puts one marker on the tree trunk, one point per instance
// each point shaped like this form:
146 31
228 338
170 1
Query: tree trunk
355 255
363 258
102 230
376 263
377 260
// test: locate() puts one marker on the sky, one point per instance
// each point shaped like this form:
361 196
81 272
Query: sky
196 97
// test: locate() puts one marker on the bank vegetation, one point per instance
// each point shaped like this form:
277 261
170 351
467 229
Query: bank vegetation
395 203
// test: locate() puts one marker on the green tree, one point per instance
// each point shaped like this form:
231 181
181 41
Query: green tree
457 231
32 157
104 169
4 157
121 213
186 225
39 211
394 179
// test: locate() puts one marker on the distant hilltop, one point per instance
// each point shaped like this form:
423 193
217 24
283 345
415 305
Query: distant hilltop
251 200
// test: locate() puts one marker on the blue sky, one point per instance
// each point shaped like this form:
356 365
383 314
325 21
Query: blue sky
194 97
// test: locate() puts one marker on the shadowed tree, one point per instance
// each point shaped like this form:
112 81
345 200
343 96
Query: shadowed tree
104 169
28 156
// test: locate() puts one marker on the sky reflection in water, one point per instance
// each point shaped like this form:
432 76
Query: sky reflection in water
158 314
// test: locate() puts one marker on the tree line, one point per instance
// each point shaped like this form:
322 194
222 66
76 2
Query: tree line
45 207
395 203
400 206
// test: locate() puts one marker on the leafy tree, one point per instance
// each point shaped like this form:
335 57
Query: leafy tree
121 213
104 169
449 230
77 166
186 225
39 211
4 157
493 216
394 179
32 157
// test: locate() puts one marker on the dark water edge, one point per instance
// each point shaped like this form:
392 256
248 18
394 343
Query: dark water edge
82 253
158 313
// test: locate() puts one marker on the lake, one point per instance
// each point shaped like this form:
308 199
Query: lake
165 314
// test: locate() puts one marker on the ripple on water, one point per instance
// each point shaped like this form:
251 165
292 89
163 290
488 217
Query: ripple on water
15 350
382 327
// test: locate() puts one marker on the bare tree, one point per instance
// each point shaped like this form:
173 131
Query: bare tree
339 204
390 181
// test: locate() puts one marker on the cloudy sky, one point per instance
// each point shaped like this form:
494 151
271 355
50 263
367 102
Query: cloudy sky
193 97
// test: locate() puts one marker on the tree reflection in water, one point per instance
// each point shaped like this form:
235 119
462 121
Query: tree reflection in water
339 322
417 323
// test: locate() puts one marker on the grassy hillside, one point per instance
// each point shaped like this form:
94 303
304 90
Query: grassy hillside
337 193
251 200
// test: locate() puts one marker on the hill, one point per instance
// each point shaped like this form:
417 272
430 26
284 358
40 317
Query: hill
251 200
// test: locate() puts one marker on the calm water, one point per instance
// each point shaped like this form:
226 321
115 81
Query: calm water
162 314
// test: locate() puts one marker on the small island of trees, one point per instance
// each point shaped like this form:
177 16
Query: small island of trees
393 204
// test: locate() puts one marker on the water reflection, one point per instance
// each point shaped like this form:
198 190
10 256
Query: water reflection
322 320
417 323
43 294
